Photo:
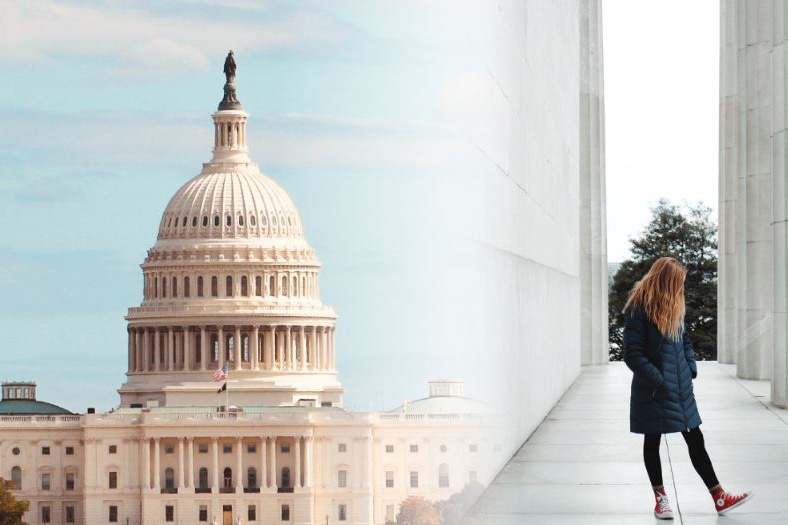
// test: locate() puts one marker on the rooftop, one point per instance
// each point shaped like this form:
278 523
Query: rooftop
582 465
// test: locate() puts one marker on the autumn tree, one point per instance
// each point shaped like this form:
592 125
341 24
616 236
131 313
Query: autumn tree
11 509
416 510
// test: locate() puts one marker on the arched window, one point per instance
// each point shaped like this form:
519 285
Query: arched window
229 220
228 291
240 220
286 478
295 286
244 286
175 287
164 286
214 286
303 286
258 286
230 348
252 220
169 479
251 478
263 220
245 348
185 221
283 291
271 285
214 348
198 348
194 221
229 134
216 220
176 221
16 478
228 478
187 292
204 221
199 286
155 287
203 478
443 476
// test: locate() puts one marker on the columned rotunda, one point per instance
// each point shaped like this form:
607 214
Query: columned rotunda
231 281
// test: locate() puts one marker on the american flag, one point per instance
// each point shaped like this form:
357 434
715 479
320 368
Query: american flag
220 374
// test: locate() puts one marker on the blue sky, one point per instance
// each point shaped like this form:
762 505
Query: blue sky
105 111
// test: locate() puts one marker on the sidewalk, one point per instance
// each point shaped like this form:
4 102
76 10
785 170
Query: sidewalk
583 466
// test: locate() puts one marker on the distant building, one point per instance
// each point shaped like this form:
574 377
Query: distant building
232 283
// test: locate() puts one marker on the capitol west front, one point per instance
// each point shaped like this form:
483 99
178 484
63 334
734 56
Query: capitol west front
232 281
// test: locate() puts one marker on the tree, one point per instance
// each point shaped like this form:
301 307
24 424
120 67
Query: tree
11 509
453 509
689 236
416 510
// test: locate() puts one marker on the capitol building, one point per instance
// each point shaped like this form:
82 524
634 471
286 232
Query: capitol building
231 284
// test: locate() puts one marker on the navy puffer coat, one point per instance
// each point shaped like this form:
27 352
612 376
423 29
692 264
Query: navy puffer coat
662 400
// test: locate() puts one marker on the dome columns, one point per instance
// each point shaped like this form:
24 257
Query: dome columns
244 347
230 137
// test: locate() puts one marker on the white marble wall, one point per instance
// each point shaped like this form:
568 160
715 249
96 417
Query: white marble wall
746 248
540 237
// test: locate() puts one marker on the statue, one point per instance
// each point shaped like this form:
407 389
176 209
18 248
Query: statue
230 99
229 67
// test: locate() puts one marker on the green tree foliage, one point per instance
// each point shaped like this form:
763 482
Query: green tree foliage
453 509
690 236
11 509
416 510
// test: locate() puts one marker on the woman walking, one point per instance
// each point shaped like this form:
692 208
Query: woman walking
659 352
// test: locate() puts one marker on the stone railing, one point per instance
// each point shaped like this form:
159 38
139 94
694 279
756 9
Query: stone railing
59 420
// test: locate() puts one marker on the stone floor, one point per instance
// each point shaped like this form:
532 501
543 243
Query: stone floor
582 465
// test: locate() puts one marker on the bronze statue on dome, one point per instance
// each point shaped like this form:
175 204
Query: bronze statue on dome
230 99
229 67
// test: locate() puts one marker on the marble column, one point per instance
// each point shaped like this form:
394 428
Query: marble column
287 355
190 463
221 347
215 470
170 349
187 349
272 463
156 350
145 460
157 463
239 476
302 346
204 349
297 480
254 347
594 345
238 344
263 465
308 460
181 477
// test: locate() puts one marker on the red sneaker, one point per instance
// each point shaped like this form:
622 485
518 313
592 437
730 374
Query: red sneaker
662 508
725 501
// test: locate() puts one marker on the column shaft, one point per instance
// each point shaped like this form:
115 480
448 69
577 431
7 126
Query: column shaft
297 481
181 480
157 464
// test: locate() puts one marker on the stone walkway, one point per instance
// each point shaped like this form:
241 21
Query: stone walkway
583 466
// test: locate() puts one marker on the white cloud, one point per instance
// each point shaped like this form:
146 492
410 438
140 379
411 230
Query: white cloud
144 41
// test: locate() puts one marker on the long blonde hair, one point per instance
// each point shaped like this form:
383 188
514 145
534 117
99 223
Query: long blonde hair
661 293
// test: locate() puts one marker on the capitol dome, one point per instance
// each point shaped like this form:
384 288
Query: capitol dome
231 291
235 202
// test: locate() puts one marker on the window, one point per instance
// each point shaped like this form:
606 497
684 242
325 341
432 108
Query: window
164 286
113 514
169 449
245 348
258 286
342 447
187 292
44 451
175 287
169 513
389 449
204 221
113 480
283 290
27 393
15 451
228 220
203 478
252 220
184 221
227 448
285 512
202 448
16 478
113 449
342 479
215 348
443 476
203 514
69 451
251 448
216 220
70 516
214 286
389 479
251 513
194 221
342 512
169 479
228 286
473 476
46 481
473 447
45 514
228 478
414 448
251 478
414 479
199 286
271 285
285 448
286 477
244 286
155 287
240 220
443 448
70 480
263 220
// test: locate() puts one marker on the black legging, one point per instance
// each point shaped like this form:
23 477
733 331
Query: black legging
697 451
